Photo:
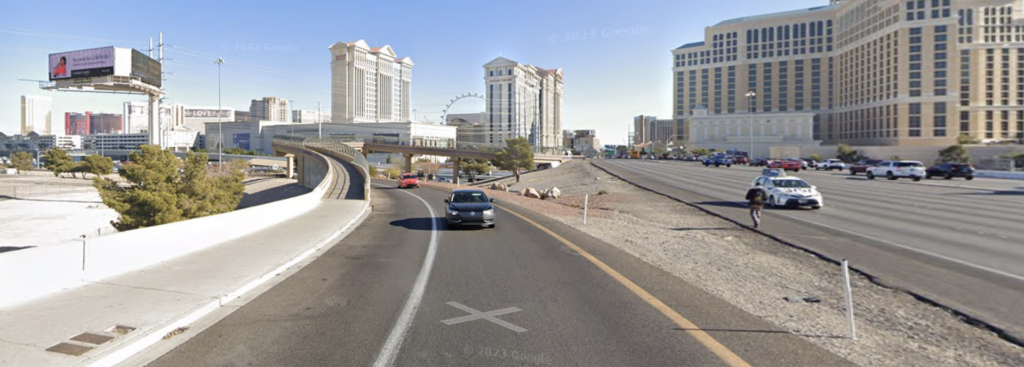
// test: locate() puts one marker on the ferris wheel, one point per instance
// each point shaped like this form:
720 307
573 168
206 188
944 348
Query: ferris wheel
444 116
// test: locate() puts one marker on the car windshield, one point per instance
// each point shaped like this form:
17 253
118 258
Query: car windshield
909 164
469 197
408 176
790 184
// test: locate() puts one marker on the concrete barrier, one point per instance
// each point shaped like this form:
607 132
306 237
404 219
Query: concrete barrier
1000 174
34 272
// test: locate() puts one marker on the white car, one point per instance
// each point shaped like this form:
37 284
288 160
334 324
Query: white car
897 169
789 192
831 164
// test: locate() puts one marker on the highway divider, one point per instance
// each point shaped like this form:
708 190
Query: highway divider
38 271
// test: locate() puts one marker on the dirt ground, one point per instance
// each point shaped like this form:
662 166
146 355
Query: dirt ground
758 274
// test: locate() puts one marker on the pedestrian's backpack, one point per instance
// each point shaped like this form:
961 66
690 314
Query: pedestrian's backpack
758 196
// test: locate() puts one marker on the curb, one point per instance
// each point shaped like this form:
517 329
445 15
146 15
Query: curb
130 348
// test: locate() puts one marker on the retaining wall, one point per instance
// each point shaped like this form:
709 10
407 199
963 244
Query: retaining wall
34 272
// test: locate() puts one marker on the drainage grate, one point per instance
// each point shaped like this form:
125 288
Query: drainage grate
92 338
68 348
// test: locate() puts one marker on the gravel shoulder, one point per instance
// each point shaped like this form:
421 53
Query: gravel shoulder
757 274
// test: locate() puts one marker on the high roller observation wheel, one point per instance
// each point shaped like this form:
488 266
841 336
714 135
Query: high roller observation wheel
444 117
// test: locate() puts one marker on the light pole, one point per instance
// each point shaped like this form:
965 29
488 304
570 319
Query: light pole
319 122
220 130
750 102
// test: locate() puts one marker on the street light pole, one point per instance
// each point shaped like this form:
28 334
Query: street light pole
750 110
220 129
319 122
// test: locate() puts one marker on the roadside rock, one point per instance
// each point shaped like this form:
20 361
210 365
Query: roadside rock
554 193
499 187
531 193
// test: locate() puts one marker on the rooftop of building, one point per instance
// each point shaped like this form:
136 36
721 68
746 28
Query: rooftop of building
783 14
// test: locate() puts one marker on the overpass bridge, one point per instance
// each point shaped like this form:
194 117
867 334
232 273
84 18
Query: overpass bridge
456 154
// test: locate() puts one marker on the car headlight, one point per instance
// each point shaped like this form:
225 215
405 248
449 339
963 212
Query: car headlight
489 212
452 211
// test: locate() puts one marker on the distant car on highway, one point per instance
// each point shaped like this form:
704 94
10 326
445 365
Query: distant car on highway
950 170
408 180
739 159
718 161
759 162
444 179
469 207
863 165
893 170
785 164
803 164
830 164
790 192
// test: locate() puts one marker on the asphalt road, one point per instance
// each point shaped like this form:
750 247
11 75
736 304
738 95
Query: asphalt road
959 243
512 295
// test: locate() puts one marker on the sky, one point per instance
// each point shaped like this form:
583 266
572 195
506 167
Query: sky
615 55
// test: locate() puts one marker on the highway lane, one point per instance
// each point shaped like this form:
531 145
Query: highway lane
550 305
957 242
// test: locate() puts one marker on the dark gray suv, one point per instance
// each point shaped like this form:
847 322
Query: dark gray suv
469 207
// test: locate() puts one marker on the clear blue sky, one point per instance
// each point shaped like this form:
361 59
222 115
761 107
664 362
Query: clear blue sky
615 54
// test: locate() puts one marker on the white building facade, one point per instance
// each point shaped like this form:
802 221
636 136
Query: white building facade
36 114
369 85
310 117
523 101
760 131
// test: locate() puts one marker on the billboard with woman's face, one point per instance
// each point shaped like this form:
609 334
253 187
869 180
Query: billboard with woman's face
82 63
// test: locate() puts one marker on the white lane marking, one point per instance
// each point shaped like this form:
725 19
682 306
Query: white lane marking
894 244
489 316
389 352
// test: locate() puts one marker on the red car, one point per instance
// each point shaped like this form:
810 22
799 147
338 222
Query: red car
785 164
408 180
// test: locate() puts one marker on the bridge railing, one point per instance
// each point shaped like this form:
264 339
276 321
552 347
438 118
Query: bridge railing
336 146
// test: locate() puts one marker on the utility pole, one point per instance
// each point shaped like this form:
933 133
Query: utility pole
220 129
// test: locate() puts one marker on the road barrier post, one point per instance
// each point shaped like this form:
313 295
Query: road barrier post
83 252
849 300
586 201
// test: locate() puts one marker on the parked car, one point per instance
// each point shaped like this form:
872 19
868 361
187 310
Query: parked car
831 164
785 164
759 162
408 180
469 207
863 165
897 169
811 163
739 159
444 179
790 192
950 170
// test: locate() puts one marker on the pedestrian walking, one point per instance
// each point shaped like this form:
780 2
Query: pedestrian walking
755 198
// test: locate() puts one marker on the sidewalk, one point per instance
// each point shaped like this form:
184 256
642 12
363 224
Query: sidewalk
159 299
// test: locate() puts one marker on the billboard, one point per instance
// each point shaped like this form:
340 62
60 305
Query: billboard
146 69
241 140
82 64
207 113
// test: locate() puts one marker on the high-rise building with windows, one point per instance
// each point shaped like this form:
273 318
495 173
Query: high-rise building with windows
369 84
872 72
36 114
523 101
270 109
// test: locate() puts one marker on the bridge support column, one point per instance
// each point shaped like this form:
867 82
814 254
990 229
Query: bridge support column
290 166
455 170
408 162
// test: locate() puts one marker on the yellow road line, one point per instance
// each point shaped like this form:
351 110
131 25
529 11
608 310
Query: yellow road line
709 342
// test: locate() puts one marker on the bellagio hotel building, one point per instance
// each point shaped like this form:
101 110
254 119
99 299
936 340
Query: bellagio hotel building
873 72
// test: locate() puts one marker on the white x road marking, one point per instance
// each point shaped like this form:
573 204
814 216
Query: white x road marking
489 316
